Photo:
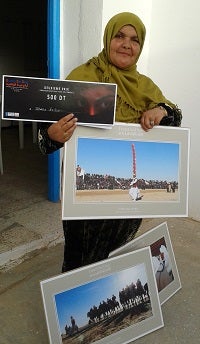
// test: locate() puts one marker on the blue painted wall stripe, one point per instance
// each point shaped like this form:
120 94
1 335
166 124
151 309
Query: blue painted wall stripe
53 47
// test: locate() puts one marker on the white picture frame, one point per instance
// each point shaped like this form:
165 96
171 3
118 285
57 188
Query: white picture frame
162 156
75 292
164 263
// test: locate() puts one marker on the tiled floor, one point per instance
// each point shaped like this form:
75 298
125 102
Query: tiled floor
27 219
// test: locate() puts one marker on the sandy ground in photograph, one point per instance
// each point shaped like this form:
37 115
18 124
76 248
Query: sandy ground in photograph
115 323
149 195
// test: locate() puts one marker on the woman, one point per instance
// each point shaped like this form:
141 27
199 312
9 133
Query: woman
139 100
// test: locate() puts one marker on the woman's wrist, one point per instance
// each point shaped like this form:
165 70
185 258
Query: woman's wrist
47 145
164 111
167 107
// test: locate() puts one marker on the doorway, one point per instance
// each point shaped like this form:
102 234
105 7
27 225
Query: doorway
23 52
23 37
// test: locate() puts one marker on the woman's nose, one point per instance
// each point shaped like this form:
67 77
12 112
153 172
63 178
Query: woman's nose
126 43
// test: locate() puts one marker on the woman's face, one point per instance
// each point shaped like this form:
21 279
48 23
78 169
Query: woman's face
125 47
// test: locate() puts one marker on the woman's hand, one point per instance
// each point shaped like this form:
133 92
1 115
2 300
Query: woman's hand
152 117
62 130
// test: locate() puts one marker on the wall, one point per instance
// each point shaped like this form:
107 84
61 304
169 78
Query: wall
173 63
170 55
81 28
69 21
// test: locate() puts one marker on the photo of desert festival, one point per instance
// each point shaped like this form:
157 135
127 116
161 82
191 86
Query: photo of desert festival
119 166
105 306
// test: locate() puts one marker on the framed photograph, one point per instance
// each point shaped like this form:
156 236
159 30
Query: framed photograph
164 264
115 300
48 100
126 172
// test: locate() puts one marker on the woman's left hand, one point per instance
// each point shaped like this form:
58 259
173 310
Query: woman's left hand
152 117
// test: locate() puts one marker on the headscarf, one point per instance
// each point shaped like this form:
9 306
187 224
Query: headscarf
116 23
136 93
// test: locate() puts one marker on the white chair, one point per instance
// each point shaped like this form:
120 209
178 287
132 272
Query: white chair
21 133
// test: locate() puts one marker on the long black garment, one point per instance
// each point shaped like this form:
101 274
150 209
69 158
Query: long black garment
89 241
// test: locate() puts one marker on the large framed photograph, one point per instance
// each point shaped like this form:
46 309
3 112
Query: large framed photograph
126 172
113 301
164 263
48 100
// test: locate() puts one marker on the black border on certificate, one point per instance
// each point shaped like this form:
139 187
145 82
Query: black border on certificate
93 202
63 296
48 100
166 268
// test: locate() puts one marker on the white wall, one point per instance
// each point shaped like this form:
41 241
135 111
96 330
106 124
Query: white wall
70 54
170 57
81 29
173 64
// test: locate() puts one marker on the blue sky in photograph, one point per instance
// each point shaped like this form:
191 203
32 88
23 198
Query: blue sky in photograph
154 160
78 301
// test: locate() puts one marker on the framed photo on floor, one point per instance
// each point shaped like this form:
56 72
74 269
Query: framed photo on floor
115 300
164 263
126 172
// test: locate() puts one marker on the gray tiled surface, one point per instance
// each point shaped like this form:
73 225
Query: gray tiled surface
27 219
22 314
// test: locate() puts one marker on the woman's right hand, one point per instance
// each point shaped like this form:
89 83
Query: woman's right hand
62 130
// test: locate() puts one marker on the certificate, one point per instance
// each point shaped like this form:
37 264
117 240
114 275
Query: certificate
48 100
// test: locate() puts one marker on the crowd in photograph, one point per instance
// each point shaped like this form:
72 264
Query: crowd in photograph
89 181
130 296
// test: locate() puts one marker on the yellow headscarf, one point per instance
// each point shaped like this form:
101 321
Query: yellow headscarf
135 92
